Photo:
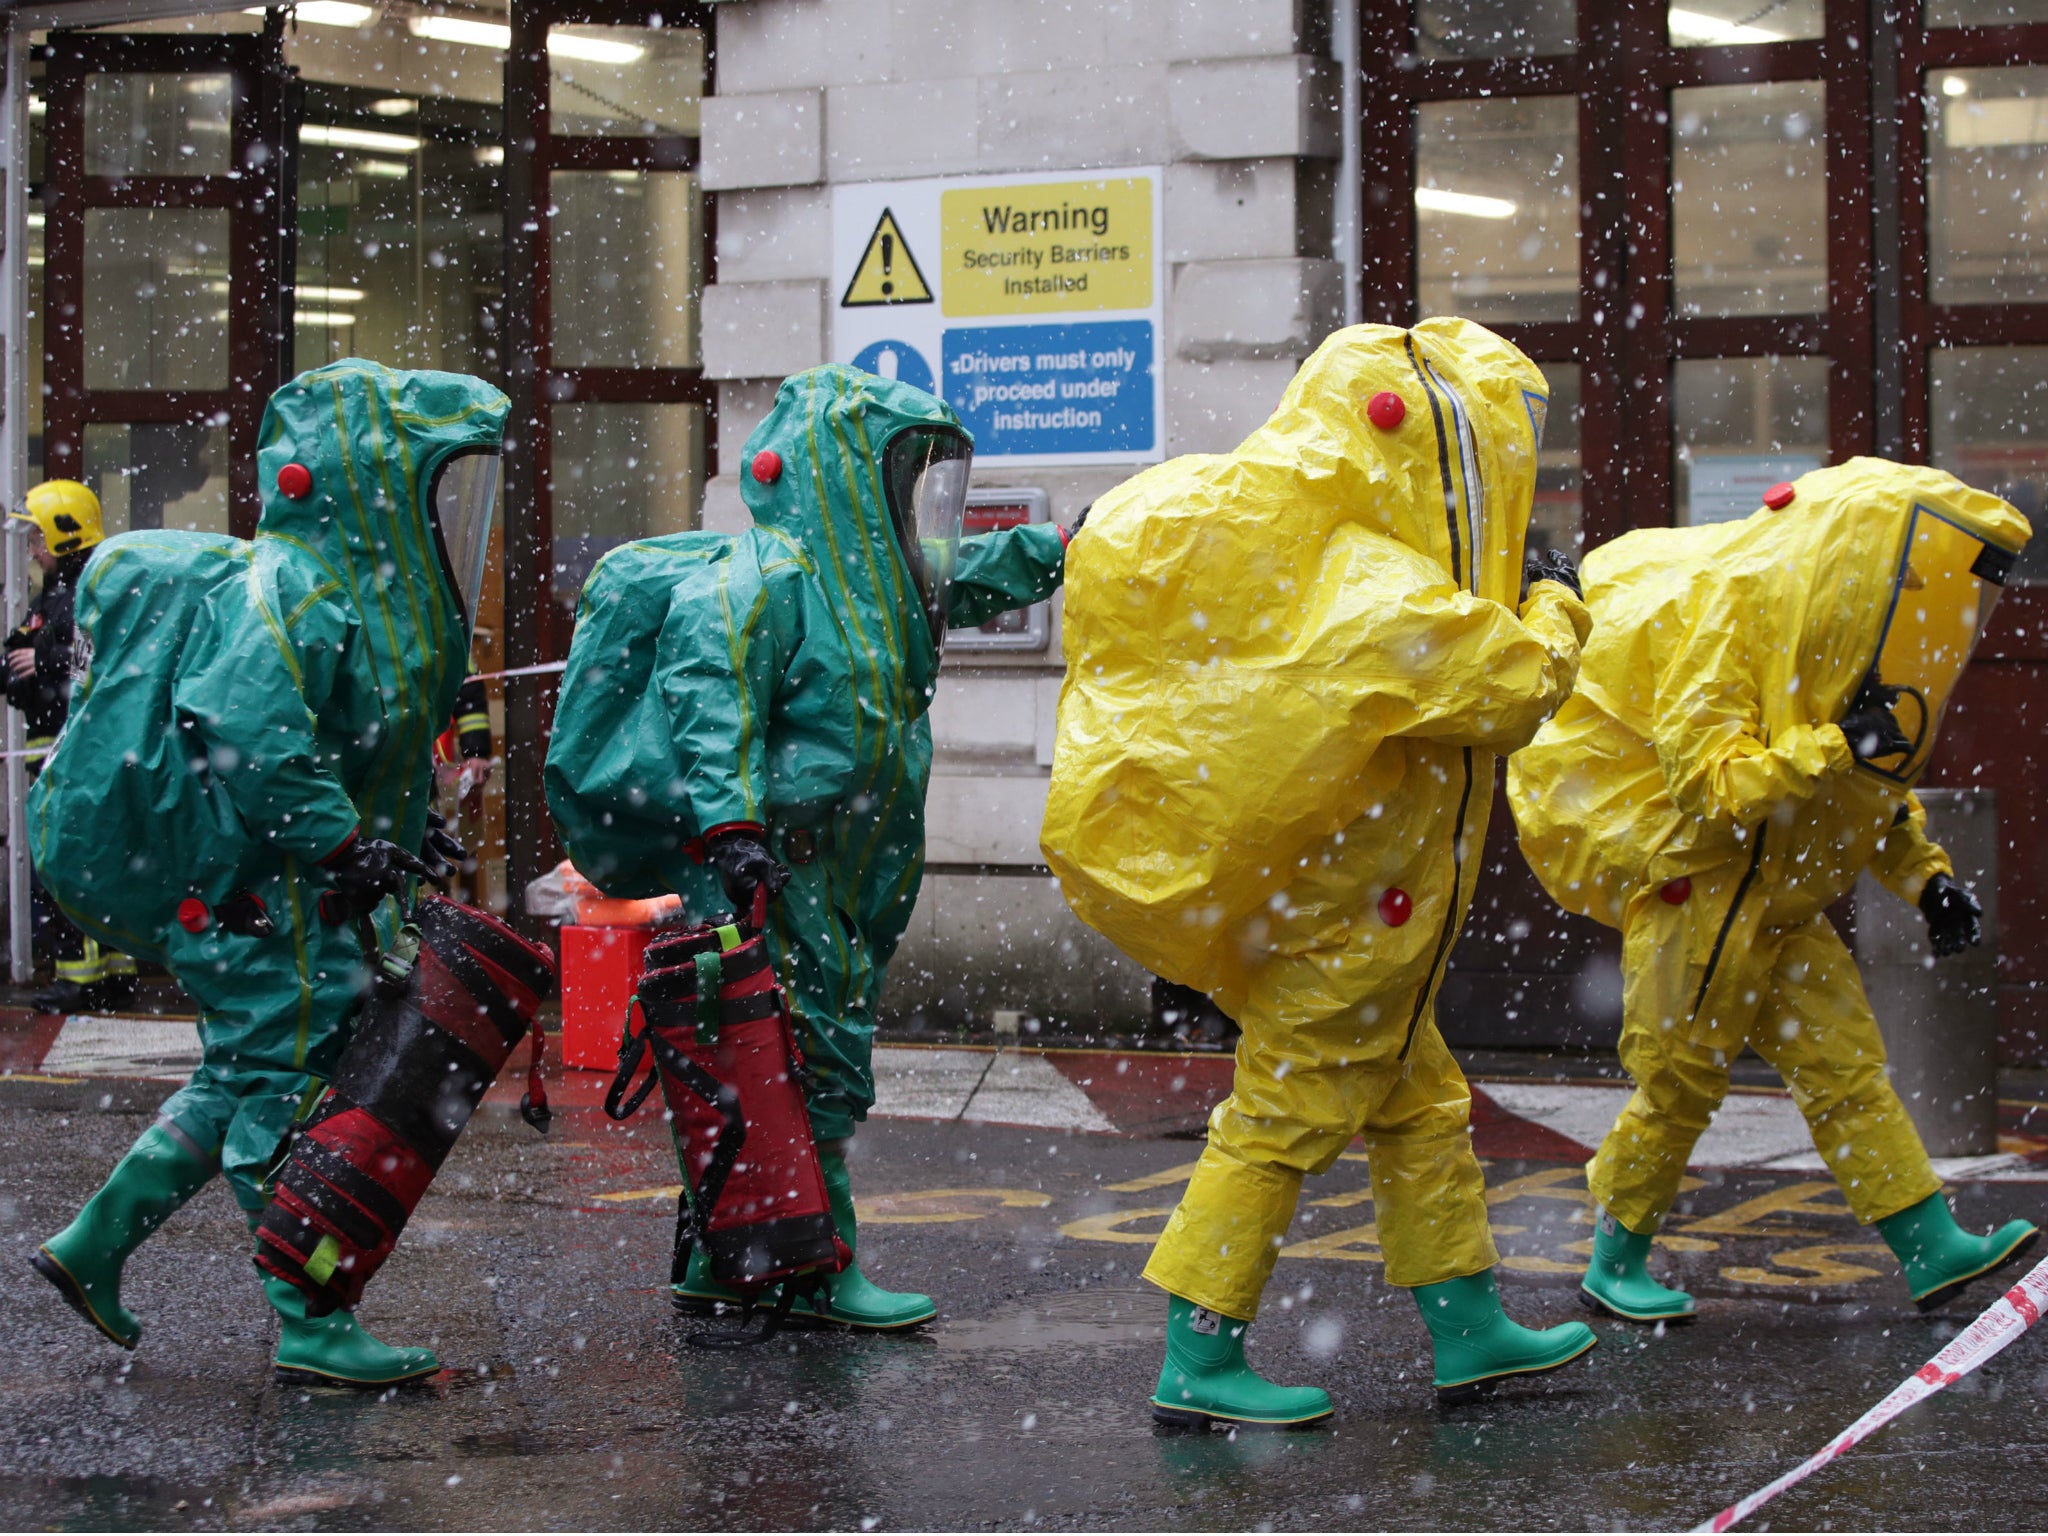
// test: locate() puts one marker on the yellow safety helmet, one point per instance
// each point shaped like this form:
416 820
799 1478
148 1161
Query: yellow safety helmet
67 513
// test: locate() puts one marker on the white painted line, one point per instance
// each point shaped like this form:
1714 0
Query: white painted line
1018 1089
1750 1130
89 1046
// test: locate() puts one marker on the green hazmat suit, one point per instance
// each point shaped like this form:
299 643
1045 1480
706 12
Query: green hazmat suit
250 706
779 678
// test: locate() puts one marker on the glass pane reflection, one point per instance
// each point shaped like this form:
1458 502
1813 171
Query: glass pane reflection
620 472
157 125
1489 29
1749 199
156 298
625 81
1984 13
1557 521
1497 208
1727 23
1990 419
159 475
1742 424
1987 186
625 252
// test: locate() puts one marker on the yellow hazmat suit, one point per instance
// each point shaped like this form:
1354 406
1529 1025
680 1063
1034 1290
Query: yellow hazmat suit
1697 794
1289 672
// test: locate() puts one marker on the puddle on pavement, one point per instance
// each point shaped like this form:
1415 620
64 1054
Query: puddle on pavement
1090 1319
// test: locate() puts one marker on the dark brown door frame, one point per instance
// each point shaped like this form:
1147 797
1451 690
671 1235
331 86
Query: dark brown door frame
260 195
534 633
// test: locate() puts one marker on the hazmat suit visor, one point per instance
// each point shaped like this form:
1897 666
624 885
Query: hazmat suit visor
465 503
1944 589
926 473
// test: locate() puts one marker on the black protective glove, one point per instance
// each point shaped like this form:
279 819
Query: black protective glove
1872 728
441 849
745 865
244 913
363 874
1954 916
1550 565
1076 529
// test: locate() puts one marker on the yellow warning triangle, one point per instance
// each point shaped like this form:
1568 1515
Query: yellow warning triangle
887 273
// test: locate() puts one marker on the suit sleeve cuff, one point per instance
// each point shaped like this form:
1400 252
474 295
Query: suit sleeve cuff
751 828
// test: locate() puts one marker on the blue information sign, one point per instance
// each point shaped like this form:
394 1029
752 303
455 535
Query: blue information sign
1053 389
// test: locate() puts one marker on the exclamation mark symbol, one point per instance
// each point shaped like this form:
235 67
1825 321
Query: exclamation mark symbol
888 262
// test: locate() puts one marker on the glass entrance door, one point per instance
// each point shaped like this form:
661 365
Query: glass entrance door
168 222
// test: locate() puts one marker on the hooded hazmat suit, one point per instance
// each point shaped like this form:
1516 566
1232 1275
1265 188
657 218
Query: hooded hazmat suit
1698 794
250 706
778 679
1290 670
251 709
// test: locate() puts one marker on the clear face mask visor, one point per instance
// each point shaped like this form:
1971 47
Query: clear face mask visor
1944 591
927 472
465 501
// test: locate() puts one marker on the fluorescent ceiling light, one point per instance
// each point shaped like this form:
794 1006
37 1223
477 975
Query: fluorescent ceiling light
332 319
458 29
35 221
1692 27
395 106
494 34
337 137
595 50
390 170
489 154
323 295
1954 85
325 13
1469 204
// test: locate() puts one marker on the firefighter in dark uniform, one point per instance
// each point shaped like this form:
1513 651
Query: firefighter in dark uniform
65 517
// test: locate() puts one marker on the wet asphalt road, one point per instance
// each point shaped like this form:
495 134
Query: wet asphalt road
572 1400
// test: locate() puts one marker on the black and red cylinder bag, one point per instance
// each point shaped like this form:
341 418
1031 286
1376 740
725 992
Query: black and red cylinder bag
717 1024
425 1051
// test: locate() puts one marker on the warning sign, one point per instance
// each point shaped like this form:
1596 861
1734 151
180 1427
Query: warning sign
887 273
1034 250
1032 306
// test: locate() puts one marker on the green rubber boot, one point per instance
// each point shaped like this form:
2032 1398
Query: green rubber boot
335 1350
1205 1378
1477 1344
857 1302
1939 1257
1618 1280
159 1174
699 1295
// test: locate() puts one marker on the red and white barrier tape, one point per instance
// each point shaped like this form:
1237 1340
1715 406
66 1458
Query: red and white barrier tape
1999 1324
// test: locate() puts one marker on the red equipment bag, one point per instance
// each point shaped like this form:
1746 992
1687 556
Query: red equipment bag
424 1054
725 1051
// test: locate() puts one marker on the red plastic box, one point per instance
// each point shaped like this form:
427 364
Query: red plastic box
600 967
